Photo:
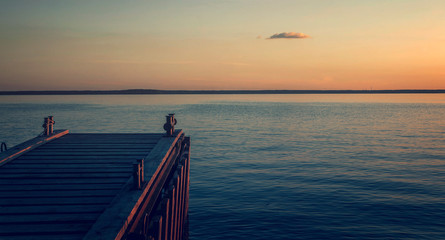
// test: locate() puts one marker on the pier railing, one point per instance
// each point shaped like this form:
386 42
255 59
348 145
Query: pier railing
163 213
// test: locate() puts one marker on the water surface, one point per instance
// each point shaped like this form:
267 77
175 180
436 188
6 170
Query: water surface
303 166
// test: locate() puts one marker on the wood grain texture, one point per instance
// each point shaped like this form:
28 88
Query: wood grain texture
58 188
27 146
16 210
48 218
53 201
60 165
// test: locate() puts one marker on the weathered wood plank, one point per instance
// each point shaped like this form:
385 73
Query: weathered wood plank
52 209
54 145
76 148
90 158
89 165
54 201
63 170
86 153
64 176
49 218
108 141
64 193
71 236
19 229
27 146
40 187
113 135
80 146
92 138
79 161
32 181
117 135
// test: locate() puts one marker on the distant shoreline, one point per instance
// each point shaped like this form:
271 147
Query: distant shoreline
157 92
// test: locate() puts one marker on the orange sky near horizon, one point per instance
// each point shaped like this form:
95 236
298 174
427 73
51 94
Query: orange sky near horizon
202 45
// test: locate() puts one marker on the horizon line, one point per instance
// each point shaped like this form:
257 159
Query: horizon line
157 91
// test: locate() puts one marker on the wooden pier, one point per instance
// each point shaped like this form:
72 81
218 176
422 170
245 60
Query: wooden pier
65 185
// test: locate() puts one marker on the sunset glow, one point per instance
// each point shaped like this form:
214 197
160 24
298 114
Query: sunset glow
223 44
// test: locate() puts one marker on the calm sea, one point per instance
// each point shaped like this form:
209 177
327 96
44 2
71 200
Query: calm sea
282 166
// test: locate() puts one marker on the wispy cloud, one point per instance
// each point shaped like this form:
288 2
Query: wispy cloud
289 35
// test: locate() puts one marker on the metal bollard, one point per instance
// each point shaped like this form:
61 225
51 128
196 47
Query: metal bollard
3 147
170 123
48 125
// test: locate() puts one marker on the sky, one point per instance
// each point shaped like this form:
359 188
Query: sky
222 44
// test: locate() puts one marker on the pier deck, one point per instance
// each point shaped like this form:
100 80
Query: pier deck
95 186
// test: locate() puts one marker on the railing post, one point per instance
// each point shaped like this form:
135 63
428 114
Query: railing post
141 174
138 173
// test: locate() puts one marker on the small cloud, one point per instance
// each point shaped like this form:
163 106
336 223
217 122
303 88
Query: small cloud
289 35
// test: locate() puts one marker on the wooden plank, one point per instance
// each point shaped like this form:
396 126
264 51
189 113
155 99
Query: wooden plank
58 165
32 181
49 218
14 210
27 146
54 145
63 170
66 193
91 158
110 143
70 236
125 207
92 137
123 139
77 161
7 229
86 153
116 135
40 187
91 149
113 134
64 176
107 141
94 148
55 201
76 147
